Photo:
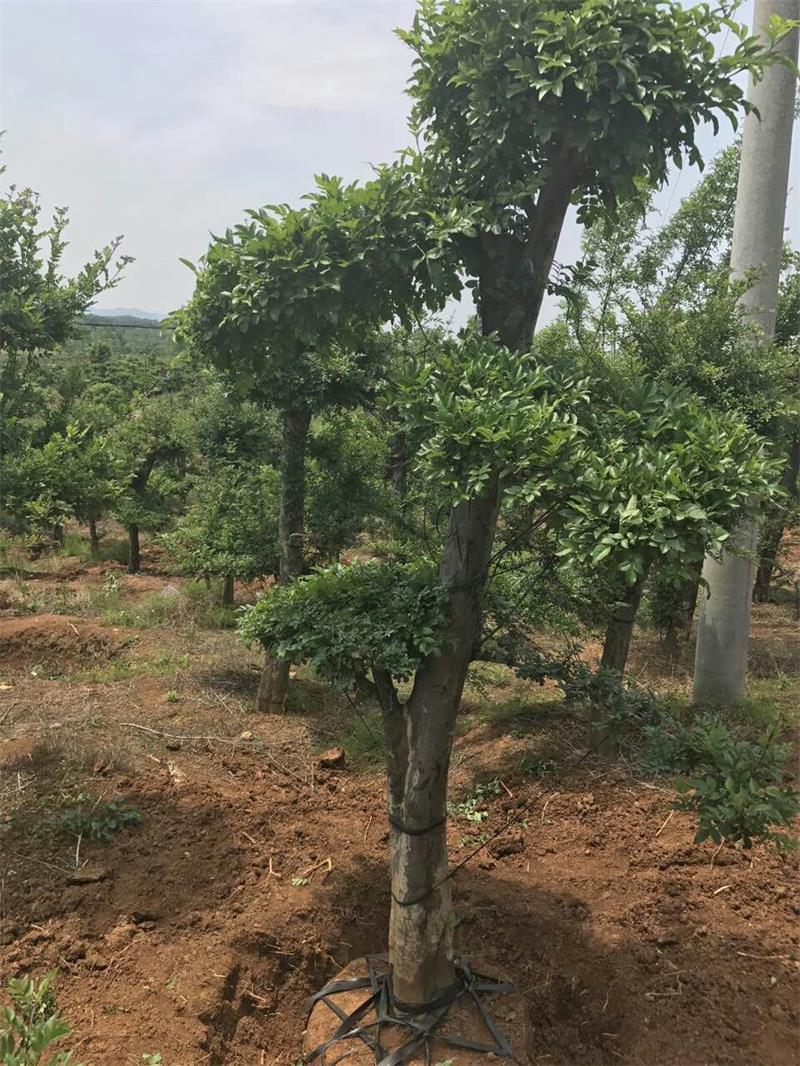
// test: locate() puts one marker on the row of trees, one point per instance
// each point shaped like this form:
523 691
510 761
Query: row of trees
517 481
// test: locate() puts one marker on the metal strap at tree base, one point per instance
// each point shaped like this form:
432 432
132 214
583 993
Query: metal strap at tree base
423 1024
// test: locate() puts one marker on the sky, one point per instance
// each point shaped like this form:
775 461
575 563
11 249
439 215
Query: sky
163 121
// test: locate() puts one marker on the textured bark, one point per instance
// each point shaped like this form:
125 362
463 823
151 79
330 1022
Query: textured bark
94 539
58 535
723 629
134 551
773 534
512 277
227 590
274 681
679 626
419 738
619 630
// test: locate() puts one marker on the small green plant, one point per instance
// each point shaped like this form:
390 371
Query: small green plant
534 767
301 882
152 1058
32 1025
473 808
737 788
171 696
111 583
100 822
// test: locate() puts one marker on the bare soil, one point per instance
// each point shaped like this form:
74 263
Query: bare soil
255 876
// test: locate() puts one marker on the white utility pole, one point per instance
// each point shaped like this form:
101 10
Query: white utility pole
723 632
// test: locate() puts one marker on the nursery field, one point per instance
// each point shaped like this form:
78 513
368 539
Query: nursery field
196 870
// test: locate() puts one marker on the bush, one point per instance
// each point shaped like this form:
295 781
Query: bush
736 788
344 620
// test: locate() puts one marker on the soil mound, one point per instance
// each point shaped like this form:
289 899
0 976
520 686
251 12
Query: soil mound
52 640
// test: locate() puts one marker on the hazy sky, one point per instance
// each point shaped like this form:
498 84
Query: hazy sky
162 121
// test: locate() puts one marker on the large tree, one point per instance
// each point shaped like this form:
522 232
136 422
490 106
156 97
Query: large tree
523 108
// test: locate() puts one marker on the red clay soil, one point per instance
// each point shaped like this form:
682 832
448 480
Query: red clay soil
52 640
627 942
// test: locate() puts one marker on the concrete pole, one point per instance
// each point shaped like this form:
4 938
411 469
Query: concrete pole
723 632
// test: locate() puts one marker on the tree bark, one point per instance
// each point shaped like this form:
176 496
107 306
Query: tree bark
134 552
227 590
773 535
398 465
680 621
274 681
619 630
723 629
58 535
512 277
419 738
94 539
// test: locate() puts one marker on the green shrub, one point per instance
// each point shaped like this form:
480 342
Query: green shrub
32 1025
737 788
345 619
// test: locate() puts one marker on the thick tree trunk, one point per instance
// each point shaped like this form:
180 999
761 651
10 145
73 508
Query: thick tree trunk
227 590
773 534
134 551
512 281
723 629
274 682
680 622
58 535
94 539
419 736
619 631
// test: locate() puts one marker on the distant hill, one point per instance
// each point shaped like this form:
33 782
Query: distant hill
128 319
124 312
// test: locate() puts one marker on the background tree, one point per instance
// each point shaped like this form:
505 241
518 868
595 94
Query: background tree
289 302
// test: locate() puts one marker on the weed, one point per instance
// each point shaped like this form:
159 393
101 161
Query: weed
171 696
101 822
152 1058
472 808
32 1024
301 882
534 767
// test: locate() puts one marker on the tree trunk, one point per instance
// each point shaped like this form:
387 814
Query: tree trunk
398 465
773 534
274 681
58 535
227 591
723 630
134 553
620 626
512 280
419 738
94 539
680 621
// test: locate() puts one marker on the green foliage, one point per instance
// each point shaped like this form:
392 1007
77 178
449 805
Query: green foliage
346 620
621 702
288 300
231 523
32 1025
101 822
473 807
38 306
736 788
662 479
597 95
152 1058
484 412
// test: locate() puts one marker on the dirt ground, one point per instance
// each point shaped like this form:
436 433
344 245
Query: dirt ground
254 876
